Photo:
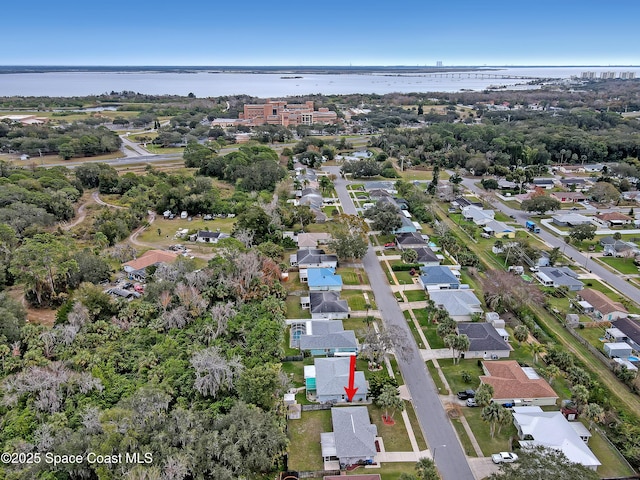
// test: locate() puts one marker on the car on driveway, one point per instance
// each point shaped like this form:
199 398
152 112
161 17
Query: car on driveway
504 457
466 394
471 402
390 245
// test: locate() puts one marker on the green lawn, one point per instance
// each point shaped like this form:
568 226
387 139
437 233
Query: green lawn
442 390
353 276
356 300
404 278
453 373
304 434
464 437
415 425
413 329
415 295
395 437
480 429
592 335
613 464
294 310
623 265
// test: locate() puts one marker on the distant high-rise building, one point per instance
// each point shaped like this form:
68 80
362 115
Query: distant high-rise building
588 75
439 63
627 75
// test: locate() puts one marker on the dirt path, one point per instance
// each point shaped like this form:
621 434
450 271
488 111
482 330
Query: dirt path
81 214
99 201
133 238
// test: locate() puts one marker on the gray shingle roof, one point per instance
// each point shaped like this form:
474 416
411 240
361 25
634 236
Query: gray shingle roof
425 254
482 337
354 433
327 302
411 238
332 375
328 334
437 275
456 302
310 256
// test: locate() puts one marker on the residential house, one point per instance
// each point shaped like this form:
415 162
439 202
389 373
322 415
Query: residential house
439 277
618 248
205 236
312 240
559 277
477 215
321 279
331 377
614 219
313 199
484 341
461 202
617 350
576 183
552 430
512 382
426 257
614 334
460 304
313 258
327 305
498 229
603 306
353 439
137 268
323 337
504 184
570 219
122 293
387 186
410 240
631 330
569 197
368 476
546 183
406 225
631 195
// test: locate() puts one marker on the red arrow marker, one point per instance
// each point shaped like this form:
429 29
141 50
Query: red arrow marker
350 390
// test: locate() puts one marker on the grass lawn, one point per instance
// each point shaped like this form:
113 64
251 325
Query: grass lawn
410 175
613 465
592 335
353 276
395 437
431 333
356 300
480 429
304 434
396 370
623 265
168 229
357 324
453 373
163 150
404 278
464 438
442 390
294 310
294 284
415 425
413 329
415 295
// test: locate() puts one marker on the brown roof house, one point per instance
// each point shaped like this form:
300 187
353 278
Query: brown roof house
614 219
136 268
603 306
517 385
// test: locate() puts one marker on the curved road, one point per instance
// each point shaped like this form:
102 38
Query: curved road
615 281
441 437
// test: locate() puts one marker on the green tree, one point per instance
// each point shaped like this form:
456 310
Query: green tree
426 469
536 350
594 413
583 232
580 395
540 204
604 192
261 385
521 333
44 263
66 151
484 394
492 414
385 217
540 463
409 256
389 399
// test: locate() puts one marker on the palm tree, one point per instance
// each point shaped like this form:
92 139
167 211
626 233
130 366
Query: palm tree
521 332
427 470
551 372
536 350
580 395
492 414
594 413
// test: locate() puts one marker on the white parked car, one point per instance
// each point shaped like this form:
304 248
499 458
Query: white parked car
504 457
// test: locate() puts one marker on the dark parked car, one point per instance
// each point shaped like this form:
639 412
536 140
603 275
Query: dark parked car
466 394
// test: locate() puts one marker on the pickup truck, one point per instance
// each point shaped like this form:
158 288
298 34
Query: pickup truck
466 394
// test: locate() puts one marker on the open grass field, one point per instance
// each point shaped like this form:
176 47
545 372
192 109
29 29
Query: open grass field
304 436
395 437
168 229
353 276
622 265
294 310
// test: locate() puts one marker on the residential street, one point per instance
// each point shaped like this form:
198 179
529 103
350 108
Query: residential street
441 437
616 281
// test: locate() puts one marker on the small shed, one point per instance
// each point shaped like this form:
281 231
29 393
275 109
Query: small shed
572 319
617 350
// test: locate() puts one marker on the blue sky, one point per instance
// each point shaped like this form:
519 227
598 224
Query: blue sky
329 32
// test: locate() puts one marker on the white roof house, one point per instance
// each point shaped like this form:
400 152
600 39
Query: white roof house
553 430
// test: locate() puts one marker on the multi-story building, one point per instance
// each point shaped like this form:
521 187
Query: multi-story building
286 114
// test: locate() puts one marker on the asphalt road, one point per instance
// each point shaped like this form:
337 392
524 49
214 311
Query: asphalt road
616 281
441 437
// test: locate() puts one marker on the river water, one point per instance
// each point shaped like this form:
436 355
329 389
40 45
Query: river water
213 84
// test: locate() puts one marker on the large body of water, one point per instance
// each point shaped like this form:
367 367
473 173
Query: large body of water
204 83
